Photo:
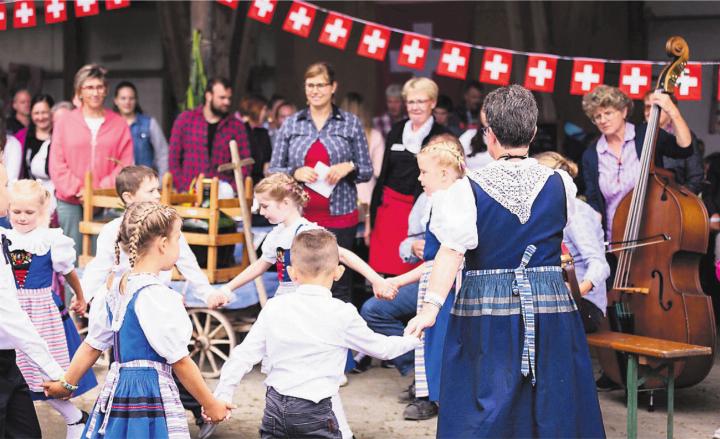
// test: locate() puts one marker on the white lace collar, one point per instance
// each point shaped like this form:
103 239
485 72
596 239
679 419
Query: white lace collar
37 241
412 140
513 184
118 302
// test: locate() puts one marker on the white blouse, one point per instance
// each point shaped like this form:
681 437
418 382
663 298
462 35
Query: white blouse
160 311
43 240
454 221
282 236
12 158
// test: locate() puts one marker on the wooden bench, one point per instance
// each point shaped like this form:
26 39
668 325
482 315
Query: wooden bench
639 349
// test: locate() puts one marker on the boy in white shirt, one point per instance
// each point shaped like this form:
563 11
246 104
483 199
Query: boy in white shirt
304 337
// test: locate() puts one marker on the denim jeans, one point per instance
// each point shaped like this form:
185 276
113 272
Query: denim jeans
288 416
69 217
389 317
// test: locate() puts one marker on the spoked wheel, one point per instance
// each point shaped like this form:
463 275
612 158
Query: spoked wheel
212 340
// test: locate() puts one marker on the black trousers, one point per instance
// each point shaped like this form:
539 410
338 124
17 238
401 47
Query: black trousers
17 412
342 289
288 416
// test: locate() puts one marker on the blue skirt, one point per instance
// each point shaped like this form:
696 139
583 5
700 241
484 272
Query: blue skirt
137 408
483 391
434 347
87 381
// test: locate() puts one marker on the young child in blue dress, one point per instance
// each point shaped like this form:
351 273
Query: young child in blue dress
441 163
36 252
149 329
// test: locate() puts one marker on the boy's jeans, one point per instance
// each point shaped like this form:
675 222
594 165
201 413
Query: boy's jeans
288 416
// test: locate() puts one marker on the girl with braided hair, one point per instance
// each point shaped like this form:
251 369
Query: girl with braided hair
146 324
36 253
441 163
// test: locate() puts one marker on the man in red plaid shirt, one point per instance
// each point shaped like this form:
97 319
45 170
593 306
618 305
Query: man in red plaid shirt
200 137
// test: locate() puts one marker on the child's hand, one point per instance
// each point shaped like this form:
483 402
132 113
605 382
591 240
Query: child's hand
217 411
53 389
79 306
385 289
219 297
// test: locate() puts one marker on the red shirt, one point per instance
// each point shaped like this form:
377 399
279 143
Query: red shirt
318 207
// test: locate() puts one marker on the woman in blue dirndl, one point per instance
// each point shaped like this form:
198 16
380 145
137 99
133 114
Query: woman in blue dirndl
516 362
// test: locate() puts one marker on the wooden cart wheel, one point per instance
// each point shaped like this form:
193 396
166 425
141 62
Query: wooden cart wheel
212 340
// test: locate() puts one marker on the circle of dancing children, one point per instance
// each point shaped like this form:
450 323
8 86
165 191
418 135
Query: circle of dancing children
441 163
304 337
281 199
36 253
148 327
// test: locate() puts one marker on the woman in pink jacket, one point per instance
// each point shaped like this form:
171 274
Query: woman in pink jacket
90 138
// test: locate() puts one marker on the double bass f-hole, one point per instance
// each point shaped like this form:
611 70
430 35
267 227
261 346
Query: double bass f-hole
664 197
661 285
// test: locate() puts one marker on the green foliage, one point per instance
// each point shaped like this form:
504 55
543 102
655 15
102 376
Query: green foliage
198 79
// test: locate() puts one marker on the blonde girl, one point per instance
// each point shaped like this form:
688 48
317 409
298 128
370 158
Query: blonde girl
37 252
149 329
441 163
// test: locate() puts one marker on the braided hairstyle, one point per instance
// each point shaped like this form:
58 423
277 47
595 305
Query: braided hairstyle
447 151
32 190
281 186
142 223
555 160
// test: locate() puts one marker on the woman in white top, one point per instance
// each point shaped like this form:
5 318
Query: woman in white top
10 153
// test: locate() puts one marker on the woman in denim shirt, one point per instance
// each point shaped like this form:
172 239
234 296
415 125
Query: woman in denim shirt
149 144
324 133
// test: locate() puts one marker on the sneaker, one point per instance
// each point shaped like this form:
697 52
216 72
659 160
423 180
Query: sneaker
206 430
605 384
74 431
362 365
343 381
387 364
408 395
420 409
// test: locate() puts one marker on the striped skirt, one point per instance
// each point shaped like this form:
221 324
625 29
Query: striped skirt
43 312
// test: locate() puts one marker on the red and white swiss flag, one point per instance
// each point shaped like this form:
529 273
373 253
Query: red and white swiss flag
262 10
229 3
689 85
454 60
300 19
86 8
586 75
3 16
540 73
336 31
116 4
55 11
24 14
635 79
496 67
413 51
374 42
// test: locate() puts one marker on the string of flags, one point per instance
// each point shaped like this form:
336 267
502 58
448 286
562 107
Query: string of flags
540 72
24 12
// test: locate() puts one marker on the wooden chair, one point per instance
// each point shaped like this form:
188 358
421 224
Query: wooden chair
94 199
190 206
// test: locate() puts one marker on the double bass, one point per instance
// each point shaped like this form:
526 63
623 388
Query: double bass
660 233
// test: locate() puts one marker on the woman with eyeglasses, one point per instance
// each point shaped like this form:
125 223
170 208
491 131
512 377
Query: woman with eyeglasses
397 187
323 138
612 165
90 138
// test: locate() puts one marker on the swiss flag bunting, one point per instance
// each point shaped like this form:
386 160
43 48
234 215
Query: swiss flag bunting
454 60
229 3
24 14
374 42
689 85
86 8
586 75
116 4
540 73
262 10
336 31
635 79
3 16
55 11
496 67
413 51
300 19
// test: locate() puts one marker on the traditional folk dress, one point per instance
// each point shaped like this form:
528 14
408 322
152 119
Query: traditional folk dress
149 329
516 362
35 257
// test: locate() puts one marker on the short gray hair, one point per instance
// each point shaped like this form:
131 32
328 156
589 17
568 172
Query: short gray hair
512 114
393 91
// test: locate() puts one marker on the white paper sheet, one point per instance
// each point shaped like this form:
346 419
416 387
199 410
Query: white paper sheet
321 186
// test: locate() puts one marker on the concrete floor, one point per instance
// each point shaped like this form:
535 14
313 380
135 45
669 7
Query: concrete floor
370 400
